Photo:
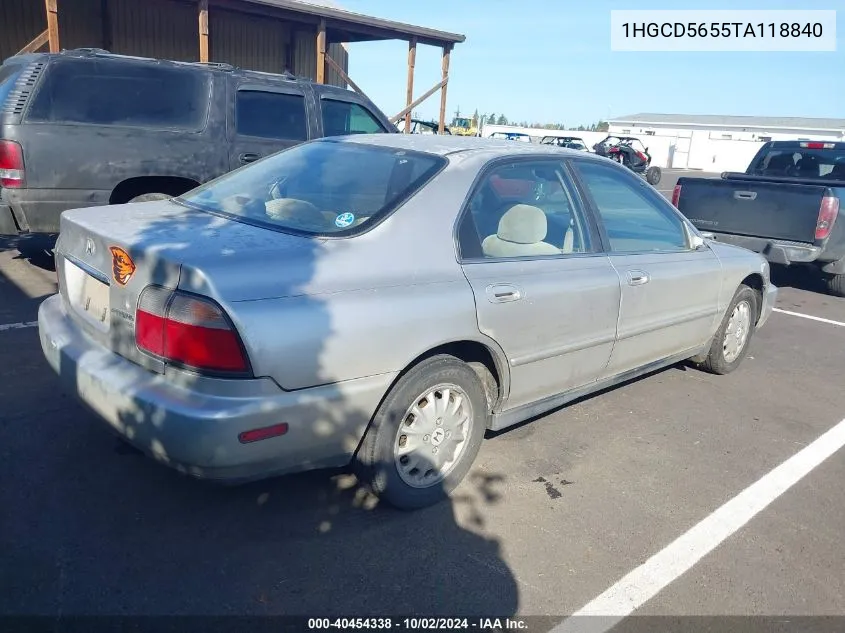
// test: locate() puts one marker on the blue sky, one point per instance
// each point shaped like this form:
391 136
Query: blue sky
550 61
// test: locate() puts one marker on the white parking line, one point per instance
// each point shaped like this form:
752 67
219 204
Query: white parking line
644 582
18 326
812 318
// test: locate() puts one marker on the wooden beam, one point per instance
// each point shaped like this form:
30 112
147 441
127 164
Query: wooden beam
409 93
411 106
447 50
321 52
34 45
52 24
203 30
339 70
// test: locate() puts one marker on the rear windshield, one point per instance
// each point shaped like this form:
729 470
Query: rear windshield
317 188
8 75
827 164
110 92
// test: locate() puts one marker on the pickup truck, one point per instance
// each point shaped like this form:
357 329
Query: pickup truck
784 206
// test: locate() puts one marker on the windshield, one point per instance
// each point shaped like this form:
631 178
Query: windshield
801 163
323 187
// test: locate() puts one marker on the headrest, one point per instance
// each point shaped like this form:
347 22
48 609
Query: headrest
523 224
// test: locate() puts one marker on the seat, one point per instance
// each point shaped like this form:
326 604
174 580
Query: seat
520 234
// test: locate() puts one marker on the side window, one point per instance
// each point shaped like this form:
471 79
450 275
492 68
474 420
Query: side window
271 115
523 209
344 117
109 92
634 222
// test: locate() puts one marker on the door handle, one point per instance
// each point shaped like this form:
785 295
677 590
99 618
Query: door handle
248 157
637 277
502 293
745 195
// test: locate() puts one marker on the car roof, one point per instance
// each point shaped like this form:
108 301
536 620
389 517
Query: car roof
446 145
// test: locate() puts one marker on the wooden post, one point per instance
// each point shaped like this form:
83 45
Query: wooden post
203 27
445 68
52 24
321 52
409 94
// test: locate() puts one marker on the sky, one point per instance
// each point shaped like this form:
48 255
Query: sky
549 61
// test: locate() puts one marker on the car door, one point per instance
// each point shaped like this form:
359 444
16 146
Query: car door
543 289
670 291
265 119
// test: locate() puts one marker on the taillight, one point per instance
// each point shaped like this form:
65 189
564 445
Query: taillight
188 330
828 210
676 195
11 165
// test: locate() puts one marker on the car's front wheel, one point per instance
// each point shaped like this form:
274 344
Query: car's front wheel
730 344
426 434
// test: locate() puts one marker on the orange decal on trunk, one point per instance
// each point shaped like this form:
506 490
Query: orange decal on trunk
122 265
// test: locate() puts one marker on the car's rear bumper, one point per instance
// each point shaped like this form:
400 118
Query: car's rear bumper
192 424
776 251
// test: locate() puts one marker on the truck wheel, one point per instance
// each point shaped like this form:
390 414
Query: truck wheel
149 197
836 285
731 341
425 435
653 175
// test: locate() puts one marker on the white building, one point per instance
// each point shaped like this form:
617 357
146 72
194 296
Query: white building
718 143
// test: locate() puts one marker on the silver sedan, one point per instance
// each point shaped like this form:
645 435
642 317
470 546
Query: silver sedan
382 301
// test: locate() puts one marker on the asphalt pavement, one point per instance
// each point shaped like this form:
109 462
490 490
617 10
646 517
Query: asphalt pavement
553 515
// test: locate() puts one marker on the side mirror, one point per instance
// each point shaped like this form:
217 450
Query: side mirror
696 242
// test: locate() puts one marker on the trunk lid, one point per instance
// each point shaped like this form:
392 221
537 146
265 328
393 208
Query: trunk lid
106 256
782 211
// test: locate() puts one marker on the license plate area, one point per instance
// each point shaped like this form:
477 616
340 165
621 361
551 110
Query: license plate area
87 296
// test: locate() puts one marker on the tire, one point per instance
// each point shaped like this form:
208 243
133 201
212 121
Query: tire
377 463
835 285
719 360
149 197
653 175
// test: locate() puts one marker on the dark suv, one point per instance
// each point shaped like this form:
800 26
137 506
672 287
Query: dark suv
84 128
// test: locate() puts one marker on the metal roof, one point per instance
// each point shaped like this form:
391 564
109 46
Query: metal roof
346 26
716 120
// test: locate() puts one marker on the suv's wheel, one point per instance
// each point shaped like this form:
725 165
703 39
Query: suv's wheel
426 434
149 197
836 285
730 344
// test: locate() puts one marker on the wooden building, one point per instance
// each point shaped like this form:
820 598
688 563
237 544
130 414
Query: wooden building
305 38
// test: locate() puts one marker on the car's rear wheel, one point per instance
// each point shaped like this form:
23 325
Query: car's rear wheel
836 285
149 197
732 339
426 434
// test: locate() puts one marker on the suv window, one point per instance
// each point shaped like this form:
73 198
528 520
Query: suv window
633 220
8 76
318 188
344 117
271 115
110 92
523 209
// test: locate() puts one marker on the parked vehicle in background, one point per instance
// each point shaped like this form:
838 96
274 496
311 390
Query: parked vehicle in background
284 317
85 128
511 136
569 142
418 126
630 152
463 126
785 206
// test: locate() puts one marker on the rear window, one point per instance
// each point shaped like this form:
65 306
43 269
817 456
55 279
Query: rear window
827 164
109 92
271 115
344 117
318 188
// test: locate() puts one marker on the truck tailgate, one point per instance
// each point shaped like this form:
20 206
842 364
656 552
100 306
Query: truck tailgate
771 210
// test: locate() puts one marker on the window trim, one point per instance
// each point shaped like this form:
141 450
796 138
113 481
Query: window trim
290 92
663 206
490 166
341 99
51 66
